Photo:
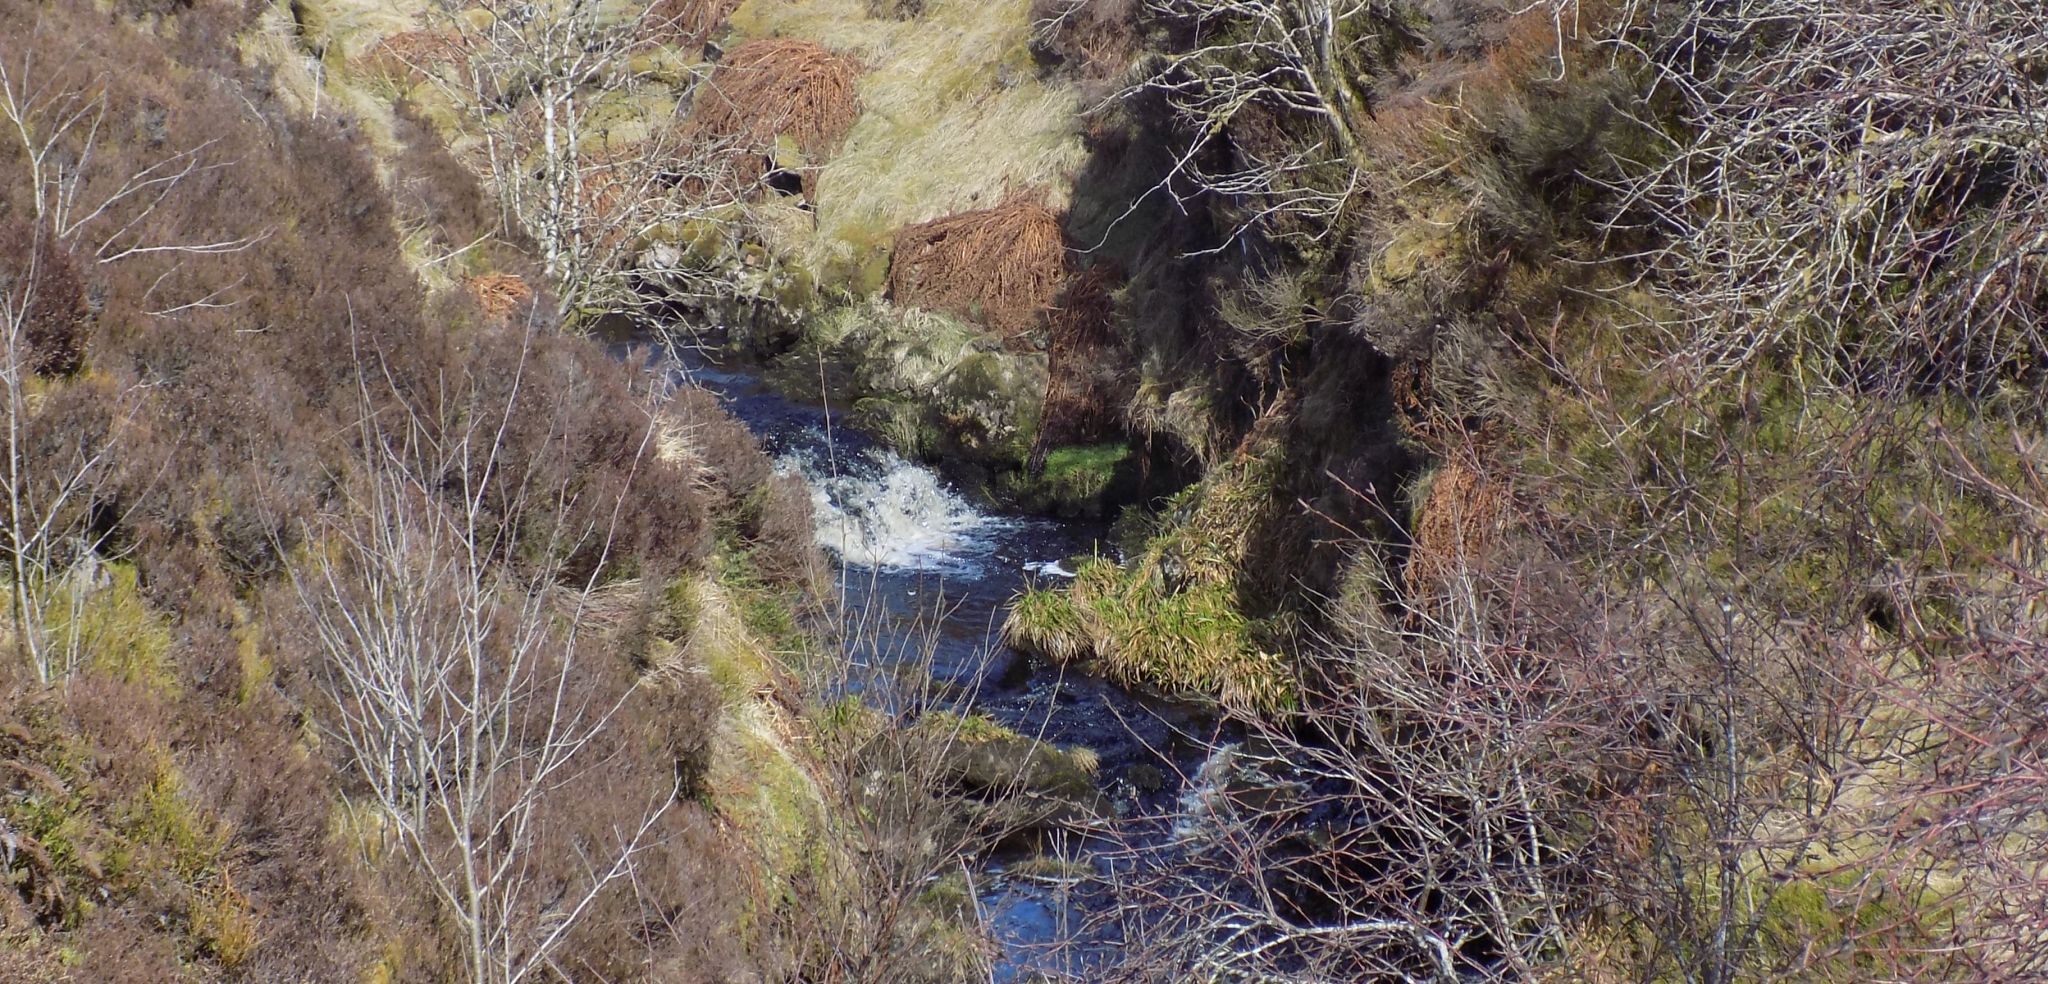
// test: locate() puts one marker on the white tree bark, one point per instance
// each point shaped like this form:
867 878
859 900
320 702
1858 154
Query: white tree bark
455 676
595 203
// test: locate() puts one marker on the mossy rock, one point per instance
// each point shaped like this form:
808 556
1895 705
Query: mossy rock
983 756
931 385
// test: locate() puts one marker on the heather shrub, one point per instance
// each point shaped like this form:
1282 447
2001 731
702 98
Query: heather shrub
42 291
183 792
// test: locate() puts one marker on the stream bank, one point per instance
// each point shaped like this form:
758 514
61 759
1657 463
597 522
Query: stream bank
932 574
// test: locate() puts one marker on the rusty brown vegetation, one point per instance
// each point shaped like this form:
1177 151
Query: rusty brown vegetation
1000 266
1086 387
499 295
769 90
209 354
687 24
1458 523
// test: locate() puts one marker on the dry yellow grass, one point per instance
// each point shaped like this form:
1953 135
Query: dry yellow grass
952 116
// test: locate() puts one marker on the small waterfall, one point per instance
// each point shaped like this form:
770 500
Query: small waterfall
880 511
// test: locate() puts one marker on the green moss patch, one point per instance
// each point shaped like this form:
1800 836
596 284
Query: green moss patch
1075 481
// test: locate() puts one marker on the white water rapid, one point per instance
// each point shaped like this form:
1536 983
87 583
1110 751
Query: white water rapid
880 511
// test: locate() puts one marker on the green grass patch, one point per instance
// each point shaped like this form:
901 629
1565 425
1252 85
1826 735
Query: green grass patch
1173 616
111 628
1195 641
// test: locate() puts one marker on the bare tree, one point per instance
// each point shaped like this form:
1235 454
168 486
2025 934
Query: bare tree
1860 182
1289 58
583 146
1410 823
456 662
48 479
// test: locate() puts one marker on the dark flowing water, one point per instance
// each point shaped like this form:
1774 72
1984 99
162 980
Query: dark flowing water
934 571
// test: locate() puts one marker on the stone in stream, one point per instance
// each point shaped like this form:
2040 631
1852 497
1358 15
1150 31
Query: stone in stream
1042 784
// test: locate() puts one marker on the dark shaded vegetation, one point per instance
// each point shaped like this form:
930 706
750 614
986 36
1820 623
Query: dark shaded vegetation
1650 499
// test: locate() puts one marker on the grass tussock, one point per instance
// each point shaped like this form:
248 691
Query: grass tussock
1174 616
1195 641
1001 266
1076 480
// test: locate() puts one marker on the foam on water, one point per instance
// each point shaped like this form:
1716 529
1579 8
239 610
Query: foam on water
883 512
1049 568
1204 799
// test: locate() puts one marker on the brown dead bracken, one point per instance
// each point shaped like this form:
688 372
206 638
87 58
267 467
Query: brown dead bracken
771 89
1084 379
1000 266
687 24
1461 520
499 294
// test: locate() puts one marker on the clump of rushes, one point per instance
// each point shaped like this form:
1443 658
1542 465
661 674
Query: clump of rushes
1195 641
1173 618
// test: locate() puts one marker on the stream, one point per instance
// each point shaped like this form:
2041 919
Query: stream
935 571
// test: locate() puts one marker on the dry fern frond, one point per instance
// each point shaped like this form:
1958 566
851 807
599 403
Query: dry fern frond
498 295
1000 266
774 89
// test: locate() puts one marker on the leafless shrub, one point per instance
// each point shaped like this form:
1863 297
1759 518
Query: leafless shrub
1861 184
458 682
1420 819
1285 58
600 211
